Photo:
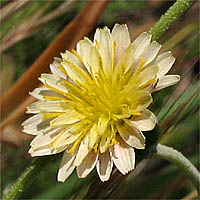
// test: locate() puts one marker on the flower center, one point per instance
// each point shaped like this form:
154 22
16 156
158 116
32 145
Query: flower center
107 101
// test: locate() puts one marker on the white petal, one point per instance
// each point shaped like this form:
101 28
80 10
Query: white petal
123 156
141 102
41 143
96 36
104 166
166 81
121 36
48 106
53 106
42 92
105 140
141 42
35 125
69 135
70 117
93 135
65 139
106 50
83 151
87 165
95 61
131 136
165 62
32 108
75 73
55 70
36 119
53 81
146 75
126 59
85 47
36 94
44 151
144 122
31 130
39 127
40 152
71 57
103 123
150 52
66 167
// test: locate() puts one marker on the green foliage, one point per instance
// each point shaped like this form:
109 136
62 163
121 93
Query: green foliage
116 8
20 17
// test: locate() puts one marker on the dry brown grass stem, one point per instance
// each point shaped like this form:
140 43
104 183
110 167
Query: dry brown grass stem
23 30
64 7
19 111
32 24
82 24
11 8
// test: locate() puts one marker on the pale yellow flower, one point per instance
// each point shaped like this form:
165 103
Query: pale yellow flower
93 107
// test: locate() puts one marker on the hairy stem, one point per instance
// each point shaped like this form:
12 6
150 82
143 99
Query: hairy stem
179 160
28 176
170 17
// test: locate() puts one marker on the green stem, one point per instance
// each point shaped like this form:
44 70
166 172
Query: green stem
170 17
28 176
182 162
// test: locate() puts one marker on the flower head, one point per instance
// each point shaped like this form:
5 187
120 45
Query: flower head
93 107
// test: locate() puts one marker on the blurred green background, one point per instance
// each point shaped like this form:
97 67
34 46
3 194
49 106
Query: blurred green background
28 27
